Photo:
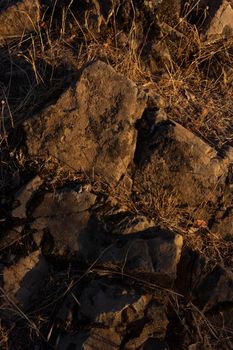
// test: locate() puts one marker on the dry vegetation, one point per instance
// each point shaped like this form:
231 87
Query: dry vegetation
194 85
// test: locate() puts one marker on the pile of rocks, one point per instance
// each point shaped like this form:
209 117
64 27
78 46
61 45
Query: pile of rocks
131 270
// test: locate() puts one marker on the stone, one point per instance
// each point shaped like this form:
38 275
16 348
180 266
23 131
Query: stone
221 23
120 317
19 18
23 197
174 161
223 224
23 280
65 215
133 224
91 128
215 289
152 254
214 19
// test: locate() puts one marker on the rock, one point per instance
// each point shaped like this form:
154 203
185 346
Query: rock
154 253
64 202
206 283
91 127
213 18
23 197
23 280
120 317
221 24
223 224
215 289
132 224
64 214
19 18
174 161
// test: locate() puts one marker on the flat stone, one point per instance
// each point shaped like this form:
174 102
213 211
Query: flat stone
91 128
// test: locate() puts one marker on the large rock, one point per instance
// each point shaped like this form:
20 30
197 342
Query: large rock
91 127
215 289
18 18
23 280
120 318
214 18
65 215
152 254
174 161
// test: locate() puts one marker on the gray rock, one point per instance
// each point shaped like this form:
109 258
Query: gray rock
65 215
23 280
213 18
19 18
178 163
215 289
91 127
154 254
223 224
221 22
23 197
115 311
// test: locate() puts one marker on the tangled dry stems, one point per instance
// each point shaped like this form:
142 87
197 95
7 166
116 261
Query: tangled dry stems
196 86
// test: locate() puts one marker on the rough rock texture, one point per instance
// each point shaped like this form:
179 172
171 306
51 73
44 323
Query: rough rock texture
223 224
154 253
91 127
64 214
215 289
221 23
23 197
23 280
214 18
117 313
175 161
18 19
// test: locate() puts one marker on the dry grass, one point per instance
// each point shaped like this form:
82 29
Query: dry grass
195 83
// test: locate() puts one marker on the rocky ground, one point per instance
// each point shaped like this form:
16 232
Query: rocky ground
116 175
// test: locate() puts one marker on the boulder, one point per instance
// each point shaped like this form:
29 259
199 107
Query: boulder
215 289
91 128
173 161
121 318
18 18
213 18
23 280
64 214
223 224
154 254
